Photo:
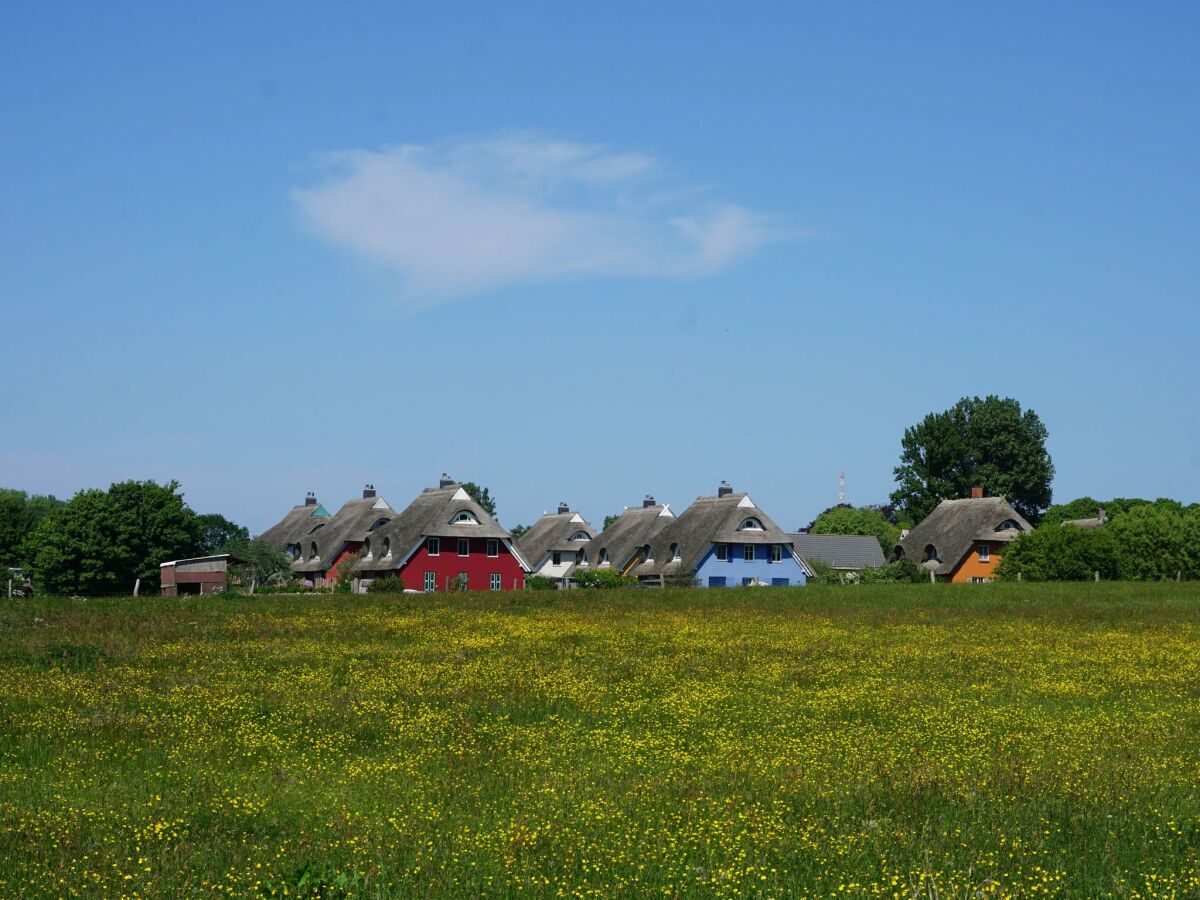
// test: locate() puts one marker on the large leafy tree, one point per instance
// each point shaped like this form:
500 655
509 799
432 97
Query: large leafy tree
990 443
846 519
215 533
482 496
103 541
19 516
74 549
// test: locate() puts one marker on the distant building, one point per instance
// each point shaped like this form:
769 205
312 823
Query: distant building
295 531
1100 518
723 541
963 540
622 546
443 540
841 552
199 575
557 544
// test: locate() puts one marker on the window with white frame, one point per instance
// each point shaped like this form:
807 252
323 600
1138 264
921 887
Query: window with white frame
464 547
430 581
722 552
464 517
777 553
493 547
985 552
494 581
747 552
434 546
751 524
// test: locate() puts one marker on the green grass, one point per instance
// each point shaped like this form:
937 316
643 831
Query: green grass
931 741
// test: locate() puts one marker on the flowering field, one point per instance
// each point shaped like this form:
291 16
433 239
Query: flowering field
919 741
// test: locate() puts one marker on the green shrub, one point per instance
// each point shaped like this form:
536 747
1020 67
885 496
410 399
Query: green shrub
388 584
600 578
541 583
1060 553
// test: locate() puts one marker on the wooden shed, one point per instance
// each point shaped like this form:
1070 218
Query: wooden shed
200 575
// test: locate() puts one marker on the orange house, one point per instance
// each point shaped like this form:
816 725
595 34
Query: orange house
962 541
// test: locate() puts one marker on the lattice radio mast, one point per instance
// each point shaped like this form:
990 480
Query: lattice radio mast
841 489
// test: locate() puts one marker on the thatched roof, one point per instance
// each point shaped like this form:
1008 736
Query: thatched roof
300 522
710 520
550 533
840 551
353 522
431 514
954 527
632 530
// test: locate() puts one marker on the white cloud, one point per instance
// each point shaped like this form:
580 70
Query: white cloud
466 217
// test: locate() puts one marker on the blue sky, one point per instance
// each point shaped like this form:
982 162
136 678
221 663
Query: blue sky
592 252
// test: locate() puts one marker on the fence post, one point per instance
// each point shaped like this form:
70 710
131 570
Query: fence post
1097 576
1179 574
932 580
10 589
137 585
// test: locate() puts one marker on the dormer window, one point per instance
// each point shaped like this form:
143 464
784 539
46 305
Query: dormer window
464 517
1007 525
367 549
649 551
312 551
930 554
581 558
674 553
751 524
379 522
580 536
603 556
387 546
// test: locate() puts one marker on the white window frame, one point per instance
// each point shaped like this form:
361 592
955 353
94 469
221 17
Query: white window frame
430 582
493 547
777 553
433 546
464 542
747 553
494 582
985 552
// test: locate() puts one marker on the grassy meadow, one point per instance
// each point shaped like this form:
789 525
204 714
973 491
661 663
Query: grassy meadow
900 741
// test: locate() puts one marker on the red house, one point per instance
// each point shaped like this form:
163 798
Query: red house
444 540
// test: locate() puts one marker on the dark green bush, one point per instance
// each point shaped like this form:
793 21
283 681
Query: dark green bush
388 584
541 583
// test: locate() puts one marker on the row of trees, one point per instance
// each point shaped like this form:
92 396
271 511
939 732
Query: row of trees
104 541
1142 540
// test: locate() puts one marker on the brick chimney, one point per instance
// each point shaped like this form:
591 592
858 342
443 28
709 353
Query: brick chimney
446 481
648 502
563 508
723 489
976 493
310 499
368 491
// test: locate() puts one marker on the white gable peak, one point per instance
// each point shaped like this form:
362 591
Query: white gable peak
460 494
380 504
666 511
577 518
746 503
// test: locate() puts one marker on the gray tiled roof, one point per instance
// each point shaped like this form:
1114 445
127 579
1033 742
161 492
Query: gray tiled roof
840 551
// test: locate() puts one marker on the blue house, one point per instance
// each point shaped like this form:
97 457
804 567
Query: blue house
724 541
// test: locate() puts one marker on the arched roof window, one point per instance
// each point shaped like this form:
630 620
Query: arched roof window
313 551
580 536
387 546
464 517
931 554
751 524
379 522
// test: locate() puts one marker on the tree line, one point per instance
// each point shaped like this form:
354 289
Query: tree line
106 541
